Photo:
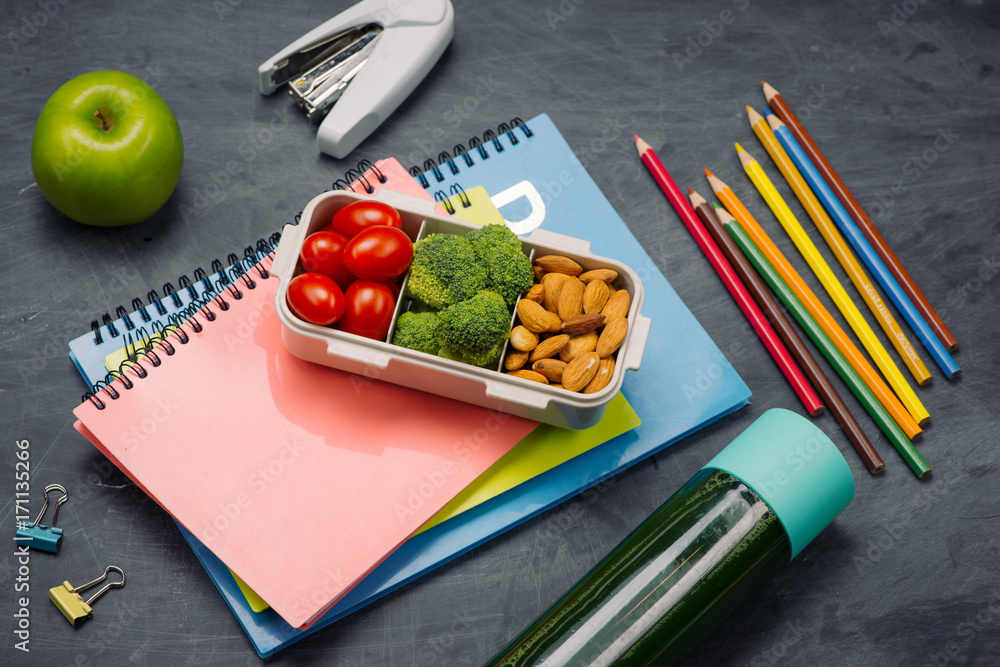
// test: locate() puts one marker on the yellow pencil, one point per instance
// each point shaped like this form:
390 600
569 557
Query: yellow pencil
865 286
832 285
846 346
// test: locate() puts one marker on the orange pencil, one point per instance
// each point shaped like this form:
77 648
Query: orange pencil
850 351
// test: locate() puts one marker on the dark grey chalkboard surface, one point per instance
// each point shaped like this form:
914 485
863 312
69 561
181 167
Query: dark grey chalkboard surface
907 575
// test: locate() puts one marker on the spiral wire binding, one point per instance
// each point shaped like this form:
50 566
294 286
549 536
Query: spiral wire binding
480 145
154 300
145 347
444 198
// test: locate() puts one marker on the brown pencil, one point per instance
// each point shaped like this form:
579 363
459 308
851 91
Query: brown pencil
899 272
786 331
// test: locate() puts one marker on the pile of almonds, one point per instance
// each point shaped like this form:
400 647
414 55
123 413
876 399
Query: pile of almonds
569 326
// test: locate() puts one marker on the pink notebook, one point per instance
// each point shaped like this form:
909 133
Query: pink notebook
300 478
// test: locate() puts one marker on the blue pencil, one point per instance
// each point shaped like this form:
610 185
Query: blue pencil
861 245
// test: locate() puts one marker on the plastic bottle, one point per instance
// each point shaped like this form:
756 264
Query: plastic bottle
698 557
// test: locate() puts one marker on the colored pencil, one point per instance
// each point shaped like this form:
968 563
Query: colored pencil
859 216
816 262
798 175
885 278
729 278
768 306
715 221
816 308
832 286
832 354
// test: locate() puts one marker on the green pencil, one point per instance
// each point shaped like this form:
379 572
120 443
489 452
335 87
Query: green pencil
829 350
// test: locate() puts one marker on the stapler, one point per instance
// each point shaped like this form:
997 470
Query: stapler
351 72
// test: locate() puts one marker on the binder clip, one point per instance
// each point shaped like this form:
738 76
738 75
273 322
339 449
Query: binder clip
38 536
367 59
67 597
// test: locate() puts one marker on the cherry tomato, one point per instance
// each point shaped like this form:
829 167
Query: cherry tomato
369 309
361 215
391 284
379 253
323 252
316 298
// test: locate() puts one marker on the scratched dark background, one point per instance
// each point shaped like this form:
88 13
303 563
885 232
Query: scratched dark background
908 575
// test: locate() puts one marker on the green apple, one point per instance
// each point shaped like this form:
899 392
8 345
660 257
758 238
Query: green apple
107 150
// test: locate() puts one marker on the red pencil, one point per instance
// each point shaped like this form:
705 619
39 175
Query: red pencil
729 278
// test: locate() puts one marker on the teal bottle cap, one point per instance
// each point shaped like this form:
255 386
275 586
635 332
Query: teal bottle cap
795 468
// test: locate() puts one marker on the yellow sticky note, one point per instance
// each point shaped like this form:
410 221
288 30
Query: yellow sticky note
474 206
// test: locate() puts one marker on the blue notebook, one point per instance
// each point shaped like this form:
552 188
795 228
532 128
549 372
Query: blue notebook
518 167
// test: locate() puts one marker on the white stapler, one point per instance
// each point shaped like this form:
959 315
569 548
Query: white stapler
367 59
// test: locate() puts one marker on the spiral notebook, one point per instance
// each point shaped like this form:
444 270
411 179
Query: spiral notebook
432 548
236 459
130 328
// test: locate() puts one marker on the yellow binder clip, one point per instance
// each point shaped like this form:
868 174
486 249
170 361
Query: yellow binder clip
67 597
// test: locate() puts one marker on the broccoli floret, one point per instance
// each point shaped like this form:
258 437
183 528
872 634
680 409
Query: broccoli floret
508 269
476 329
418 331
444 270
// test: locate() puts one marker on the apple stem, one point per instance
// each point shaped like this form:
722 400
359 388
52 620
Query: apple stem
105 120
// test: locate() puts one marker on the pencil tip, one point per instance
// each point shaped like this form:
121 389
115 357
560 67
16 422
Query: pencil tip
709 174
635 137
767 110
739 149
690 191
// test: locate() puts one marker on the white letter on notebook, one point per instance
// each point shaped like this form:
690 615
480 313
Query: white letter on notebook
527 190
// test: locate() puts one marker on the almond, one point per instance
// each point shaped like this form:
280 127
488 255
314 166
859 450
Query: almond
553 283
571 298
612 337
549 347
552 369
582 324
535 318
606 276
559 264
515 359
603 377
536 293
538 271
595 296
529 375
617 305
523 339
578 345
579 372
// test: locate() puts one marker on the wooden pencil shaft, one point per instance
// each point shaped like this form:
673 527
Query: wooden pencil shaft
770 307
862 219
729 278
866 288
816 309
819 265
847 373
885 278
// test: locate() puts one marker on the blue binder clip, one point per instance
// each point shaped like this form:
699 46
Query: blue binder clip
38 536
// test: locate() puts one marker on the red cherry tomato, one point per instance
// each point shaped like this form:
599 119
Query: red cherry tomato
360 215
323 252
369 309
316 298
391 284
379 253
